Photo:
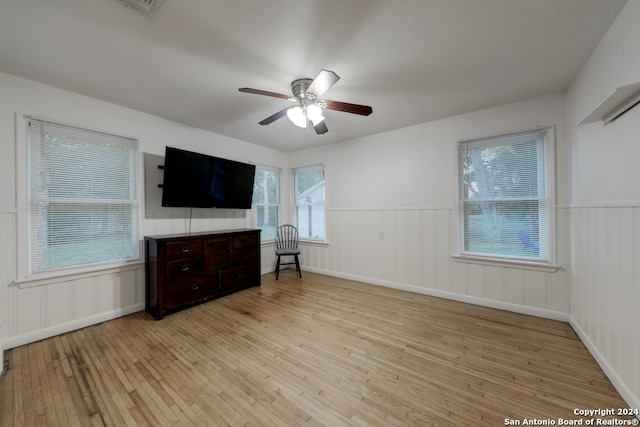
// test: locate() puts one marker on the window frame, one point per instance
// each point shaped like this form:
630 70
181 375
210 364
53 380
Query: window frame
278 205
23 246
295 206
547 233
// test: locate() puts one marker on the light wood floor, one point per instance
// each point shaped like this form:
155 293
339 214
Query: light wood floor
316 351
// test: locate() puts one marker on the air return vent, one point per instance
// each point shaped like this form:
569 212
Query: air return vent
622 100
144 7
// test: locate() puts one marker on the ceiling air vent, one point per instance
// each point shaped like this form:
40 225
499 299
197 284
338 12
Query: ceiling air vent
144 7
622 100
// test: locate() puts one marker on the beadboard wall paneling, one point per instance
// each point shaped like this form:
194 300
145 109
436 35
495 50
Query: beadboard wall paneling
35 312
411 249
606 288
7 270
267 258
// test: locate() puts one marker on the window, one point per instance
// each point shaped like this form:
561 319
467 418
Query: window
266 201
309 203
505 201
81 197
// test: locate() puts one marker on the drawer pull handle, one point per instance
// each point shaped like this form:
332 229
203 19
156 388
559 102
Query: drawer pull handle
241 276
195 287
184 249
245 241
185 268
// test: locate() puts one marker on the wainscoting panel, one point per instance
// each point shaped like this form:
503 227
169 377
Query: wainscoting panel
7 271
37 311
57 304
605 304
411 249
267 258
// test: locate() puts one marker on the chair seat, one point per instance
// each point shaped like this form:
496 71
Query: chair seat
288 251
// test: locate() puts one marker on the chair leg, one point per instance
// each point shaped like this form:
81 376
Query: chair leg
298 267
277 267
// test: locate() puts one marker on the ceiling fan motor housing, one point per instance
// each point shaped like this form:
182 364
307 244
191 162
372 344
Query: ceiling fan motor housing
299 88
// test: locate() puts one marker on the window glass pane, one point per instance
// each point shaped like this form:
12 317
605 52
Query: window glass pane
266 201
310 185
310 221
502 228
503 192
309 196
80 234
266 186
267 221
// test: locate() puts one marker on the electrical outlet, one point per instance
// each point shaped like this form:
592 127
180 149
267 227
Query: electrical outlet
380 234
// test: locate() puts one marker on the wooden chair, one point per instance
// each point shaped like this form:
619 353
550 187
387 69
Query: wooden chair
287 245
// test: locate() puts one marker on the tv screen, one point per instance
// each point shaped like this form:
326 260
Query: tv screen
197 180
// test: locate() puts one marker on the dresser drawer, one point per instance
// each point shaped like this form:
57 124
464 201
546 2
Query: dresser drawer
218 253
184 291
184 268
244 256
240 277
247 240
184 249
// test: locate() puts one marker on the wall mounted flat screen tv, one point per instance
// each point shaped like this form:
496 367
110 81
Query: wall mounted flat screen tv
195 180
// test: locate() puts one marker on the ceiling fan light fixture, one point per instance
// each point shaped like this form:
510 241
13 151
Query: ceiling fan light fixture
297 116
314 113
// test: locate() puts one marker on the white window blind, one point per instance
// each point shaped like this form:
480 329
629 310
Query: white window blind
504 195
81 199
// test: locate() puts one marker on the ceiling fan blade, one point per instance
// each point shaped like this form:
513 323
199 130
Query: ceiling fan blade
272 118
321 128
363 110
323 81
263 92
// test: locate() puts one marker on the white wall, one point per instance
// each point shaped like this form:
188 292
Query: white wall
605 209
403 184
35 310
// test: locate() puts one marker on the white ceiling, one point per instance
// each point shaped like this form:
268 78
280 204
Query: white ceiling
413 61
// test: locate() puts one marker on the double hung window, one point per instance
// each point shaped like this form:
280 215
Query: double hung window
505 196
80 197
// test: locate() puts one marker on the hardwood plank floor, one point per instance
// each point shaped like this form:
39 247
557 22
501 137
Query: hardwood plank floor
316 351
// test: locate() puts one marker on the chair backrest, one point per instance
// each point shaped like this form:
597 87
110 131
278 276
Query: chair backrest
287 237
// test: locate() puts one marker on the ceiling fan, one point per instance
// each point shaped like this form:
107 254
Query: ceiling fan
308 108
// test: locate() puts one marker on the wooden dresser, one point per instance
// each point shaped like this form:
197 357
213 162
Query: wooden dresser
186 269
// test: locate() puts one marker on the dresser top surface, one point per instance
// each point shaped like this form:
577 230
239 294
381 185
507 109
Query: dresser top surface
201 234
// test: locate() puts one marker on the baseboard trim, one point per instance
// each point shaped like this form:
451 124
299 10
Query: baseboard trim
500 305
63 328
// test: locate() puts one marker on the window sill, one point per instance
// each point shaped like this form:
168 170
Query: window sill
314 242
67 275
507 263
